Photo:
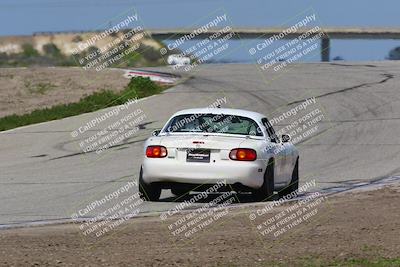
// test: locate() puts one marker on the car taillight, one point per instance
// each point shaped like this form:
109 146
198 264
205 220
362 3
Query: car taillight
243 154
156 152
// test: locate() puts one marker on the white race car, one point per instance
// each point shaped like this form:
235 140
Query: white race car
178 60
198 148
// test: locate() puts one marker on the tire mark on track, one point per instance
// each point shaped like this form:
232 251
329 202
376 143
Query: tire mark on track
351 65
386 75
92 151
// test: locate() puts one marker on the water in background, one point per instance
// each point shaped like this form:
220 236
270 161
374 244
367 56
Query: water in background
347 50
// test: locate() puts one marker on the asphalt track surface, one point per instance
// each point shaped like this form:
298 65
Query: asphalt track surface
45 176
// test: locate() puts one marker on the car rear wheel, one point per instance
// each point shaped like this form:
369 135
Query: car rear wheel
149 192
266 191
294 182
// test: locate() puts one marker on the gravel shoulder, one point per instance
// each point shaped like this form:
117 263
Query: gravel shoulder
361 225
23 90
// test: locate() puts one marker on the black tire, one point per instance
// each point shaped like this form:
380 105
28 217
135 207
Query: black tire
178 192
294 182
149 192
266 191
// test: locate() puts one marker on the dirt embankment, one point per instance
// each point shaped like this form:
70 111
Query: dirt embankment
23 90
66 42
352 226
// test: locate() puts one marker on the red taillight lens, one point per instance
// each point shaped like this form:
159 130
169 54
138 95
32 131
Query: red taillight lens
243 154
156 152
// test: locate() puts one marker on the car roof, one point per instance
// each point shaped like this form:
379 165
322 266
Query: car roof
226 111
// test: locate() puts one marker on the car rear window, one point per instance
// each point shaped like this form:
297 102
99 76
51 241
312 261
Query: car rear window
214 123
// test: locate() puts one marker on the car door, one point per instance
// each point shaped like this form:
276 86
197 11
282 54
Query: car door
291 156
280 151
288 149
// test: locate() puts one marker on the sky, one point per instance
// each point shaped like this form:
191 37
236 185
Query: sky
24 17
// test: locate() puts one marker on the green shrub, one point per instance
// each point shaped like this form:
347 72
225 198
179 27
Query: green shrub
52 50
138 87
29 51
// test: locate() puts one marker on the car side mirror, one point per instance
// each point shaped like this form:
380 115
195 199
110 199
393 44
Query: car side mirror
155 132
285 138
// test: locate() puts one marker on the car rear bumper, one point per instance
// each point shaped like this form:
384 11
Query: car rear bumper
247 173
